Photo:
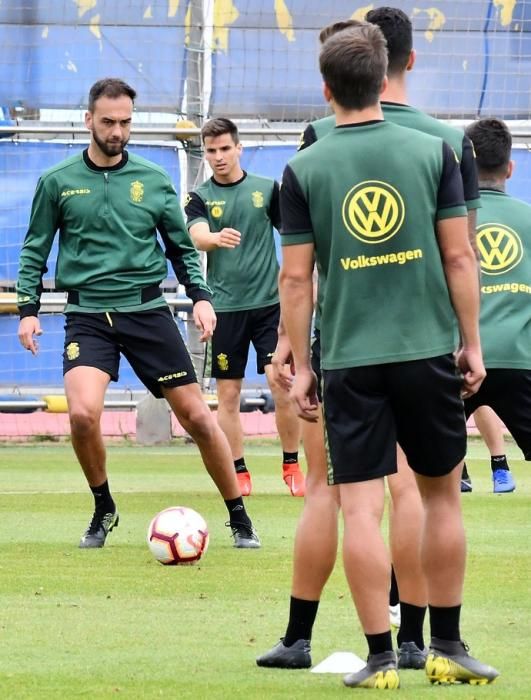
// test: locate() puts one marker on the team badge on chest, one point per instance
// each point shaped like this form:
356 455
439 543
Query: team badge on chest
258 199
136 191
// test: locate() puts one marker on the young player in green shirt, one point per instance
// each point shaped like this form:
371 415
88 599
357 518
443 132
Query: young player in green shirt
231 216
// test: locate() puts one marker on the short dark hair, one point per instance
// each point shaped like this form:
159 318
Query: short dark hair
398 32
353 64
109 87
331 29
492 143
218 127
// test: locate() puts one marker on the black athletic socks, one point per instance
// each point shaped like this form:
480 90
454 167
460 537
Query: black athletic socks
290 457
393 593
239 465
499 462
102 498
237 512
378 643
302 614
444 623
411 624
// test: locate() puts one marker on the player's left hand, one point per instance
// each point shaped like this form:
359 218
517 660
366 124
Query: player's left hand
470 362
304 394
204 319
282 363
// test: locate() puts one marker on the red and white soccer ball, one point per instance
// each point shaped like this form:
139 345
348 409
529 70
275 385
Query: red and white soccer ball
178 535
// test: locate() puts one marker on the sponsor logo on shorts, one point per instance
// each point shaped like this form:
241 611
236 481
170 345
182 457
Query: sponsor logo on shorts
173 375
72 351
373 211
136 191
500 248
70 193
223 362
257 199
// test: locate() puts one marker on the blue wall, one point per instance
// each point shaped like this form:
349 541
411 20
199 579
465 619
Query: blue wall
17 366
472 56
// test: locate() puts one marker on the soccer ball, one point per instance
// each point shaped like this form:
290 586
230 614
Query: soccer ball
177 535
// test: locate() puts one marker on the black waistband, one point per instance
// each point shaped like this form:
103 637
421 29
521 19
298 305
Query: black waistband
146 294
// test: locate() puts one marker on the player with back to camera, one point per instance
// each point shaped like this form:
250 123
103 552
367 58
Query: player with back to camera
504 243
491 430
231 216
108 205
406 511
380 386
397 29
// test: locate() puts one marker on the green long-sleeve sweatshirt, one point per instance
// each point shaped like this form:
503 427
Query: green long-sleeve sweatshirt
109 252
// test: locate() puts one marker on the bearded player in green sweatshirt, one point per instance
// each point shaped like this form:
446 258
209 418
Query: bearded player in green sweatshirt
108 206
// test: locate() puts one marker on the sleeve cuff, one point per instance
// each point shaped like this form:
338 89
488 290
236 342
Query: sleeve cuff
200 295
473 204
297 238
28 310
451 212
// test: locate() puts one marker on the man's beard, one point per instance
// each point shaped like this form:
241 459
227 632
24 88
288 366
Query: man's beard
110 149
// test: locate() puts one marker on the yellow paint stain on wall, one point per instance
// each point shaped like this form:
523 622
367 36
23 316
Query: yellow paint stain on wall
284 20
437 20
173 6
506 10
187 24
225 14
95 26
83 6
361 12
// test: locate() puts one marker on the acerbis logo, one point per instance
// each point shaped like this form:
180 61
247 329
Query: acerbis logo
373 211
500 248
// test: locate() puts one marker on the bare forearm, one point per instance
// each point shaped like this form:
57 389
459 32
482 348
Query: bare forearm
296 302
462 279
205 240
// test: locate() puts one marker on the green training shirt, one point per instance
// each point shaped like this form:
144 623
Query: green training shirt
108 220
368 197
504 243
405 115
245 277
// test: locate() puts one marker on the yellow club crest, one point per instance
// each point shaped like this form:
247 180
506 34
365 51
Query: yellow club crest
258 199
72 351
216 211
136 191
223 362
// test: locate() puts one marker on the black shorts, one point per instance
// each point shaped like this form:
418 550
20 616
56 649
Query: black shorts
316 362
508 393
367 410
227 352
150 340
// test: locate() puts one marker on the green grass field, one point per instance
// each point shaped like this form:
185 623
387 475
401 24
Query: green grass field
114 623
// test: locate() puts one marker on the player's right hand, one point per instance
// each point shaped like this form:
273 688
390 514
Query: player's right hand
228 238
470 362
28 328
